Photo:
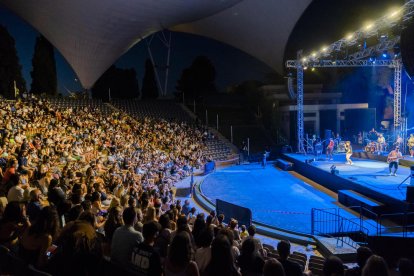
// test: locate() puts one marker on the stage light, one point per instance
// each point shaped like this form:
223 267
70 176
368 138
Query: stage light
314 54
305 68
394 13
368 26
313 69
324 49
350 36
304 59
385 54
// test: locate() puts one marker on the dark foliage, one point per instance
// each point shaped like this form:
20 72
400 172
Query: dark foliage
44 78
149 85
122 83
197 80
10 68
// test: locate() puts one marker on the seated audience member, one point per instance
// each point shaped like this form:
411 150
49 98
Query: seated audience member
273 267
259 247
375 266
113 222
233 227
78 251
13 223
16 192
186 207
290 267
405 267
179 259
145 260
164 237
243 234
249 261
333 266
222 261
38 238
125 238
202 255
363 253
34 206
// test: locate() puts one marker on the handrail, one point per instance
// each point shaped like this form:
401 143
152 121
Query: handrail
332 224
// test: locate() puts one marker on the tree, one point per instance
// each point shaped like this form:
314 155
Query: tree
149 84
44 79
122 83
198 79
10 68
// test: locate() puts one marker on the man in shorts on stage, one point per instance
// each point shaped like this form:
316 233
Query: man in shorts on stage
393 158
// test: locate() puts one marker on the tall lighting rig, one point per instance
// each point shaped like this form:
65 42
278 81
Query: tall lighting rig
351 51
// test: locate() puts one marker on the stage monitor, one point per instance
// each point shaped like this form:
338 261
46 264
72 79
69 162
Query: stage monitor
361 119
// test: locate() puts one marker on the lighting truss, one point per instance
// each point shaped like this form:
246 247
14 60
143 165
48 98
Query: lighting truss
376 28
343 63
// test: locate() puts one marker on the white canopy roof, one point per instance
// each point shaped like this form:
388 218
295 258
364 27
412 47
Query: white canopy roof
93 34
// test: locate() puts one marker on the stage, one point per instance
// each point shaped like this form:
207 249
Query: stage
369 176
276 198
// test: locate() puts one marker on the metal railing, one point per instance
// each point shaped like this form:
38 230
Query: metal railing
329 223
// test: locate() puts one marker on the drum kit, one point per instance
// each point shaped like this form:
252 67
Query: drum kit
375 147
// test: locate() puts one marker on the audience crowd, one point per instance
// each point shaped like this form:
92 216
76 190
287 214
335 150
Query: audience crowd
92 193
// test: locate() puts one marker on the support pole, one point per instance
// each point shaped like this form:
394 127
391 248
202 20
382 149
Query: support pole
168 45
217 122
206 117
157 77
300 125
248 146
397 96
194 108
231 134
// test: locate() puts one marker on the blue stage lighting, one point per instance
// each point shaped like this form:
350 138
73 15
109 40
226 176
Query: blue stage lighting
384 55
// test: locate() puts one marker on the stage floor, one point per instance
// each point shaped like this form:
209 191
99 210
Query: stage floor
275 197
371 174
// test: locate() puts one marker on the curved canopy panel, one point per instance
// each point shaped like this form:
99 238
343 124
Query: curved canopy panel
259 28
93 34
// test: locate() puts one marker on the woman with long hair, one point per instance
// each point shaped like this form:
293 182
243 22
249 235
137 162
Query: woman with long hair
222 261
38 238
179 260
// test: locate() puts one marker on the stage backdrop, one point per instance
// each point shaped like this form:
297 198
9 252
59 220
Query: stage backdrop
360 120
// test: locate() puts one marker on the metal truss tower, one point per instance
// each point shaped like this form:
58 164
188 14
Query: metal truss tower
300 119
397 95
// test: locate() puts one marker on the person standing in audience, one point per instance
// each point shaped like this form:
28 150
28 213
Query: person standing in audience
222 261
125 238
291 268
179 259
145 260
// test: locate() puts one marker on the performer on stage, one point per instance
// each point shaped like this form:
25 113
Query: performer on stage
393 158
381 143
329 149
398 142
373 134
348 152
410 144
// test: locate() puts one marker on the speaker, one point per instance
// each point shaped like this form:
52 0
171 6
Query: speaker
410 194
407 48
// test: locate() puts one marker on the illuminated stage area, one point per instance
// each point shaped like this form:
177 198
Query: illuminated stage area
276 198
366 176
